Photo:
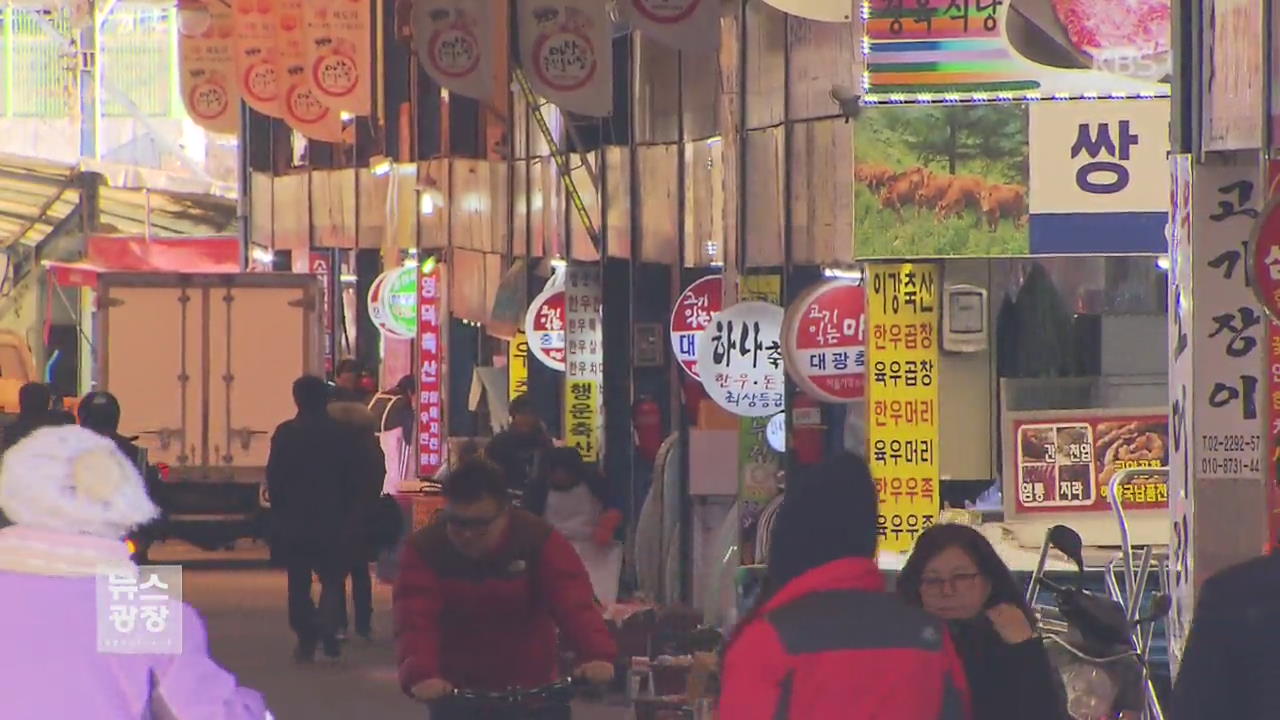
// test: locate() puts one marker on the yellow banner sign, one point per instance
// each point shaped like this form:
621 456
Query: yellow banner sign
518 366
582 411
902 394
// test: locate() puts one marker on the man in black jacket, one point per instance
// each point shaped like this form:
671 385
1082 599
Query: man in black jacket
313 478
1228 669
519 449
35 411
100 412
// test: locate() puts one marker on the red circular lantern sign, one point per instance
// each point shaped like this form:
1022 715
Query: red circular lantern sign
692 314
544 326
1265 262
824 338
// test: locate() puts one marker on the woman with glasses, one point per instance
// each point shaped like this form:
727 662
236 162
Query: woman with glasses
955 574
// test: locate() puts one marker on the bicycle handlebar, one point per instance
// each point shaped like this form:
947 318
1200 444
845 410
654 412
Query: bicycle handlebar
559 691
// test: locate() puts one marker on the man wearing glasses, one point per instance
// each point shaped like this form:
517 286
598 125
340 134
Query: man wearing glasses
482 592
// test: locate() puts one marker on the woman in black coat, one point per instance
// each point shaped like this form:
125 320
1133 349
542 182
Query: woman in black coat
955 574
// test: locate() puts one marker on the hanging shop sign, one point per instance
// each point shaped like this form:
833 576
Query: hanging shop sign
566 50
824 10
1227 325
776 433
431 435
518 366
692 314
207 62
322 267
393 302
824 341
584 361
454 42
679 24
902 314
1181 377
1233 82
740 359
947 51
925 189
303 108
1265 250
1065 460
257 65
544 326
1099 176
339 46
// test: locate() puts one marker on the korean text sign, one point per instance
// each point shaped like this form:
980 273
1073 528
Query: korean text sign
825 340
1181 378
902 315
518 366
1227 331
584 361
431 434
140 609
692 314
544 326
1065 461
740 359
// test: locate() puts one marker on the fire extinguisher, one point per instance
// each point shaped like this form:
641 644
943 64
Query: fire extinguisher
646 417
807 431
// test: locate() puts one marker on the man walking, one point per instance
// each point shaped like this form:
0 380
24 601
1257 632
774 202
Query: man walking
519 449
359 425
313 484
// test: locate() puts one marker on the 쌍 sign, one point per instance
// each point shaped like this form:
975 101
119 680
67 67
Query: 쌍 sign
544 326
740 359
431 436
824 339
1065 461
902 315
692 314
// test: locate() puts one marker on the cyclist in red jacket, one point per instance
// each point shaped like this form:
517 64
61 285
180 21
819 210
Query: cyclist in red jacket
828 642
482 591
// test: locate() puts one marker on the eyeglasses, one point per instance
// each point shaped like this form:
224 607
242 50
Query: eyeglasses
462 522
960 582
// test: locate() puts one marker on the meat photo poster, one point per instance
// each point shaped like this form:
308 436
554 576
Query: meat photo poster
942 180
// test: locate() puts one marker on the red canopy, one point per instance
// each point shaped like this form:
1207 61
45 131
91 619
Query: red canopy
106 253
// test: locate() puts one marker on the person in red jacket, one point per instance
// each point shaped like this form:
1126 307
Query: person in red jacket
482 591
827 641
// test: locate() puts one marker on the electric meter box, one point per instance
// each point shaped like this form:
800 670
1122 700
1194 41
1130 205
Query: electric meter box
966 326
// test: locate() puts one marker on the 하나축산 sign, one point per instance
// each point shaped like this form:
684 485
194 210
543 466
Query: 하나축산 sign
825 342
692 314
740 359
544 326
902 391
431 435
1065 461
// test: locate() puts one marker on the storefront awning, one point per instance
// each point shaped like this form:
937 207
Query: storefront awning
220 254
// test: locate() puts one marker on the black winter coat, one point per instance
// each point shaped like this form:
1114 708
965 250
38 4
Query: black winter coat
313 477
370 467
1228 666
1008 682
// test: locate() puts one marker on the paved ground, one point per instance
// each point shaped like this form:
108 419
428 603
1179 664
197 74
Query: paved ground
243 603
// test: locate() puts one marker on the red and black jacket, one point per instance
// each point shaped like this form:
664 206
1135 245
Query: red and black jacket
833 645
490 624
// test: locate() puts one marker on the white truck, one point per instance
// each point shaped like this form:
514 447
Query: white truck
203 367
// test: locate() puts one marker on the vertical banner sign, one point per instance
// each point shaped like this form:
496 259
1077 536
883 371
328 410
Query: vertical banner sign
824 341
518 366
340 53
544 326
566 50
1227 325
678 24
903 314
322 267
257 64
758 461
1181 378
303 110
584 363
454 42
692 314
431 436
206 55
1266 285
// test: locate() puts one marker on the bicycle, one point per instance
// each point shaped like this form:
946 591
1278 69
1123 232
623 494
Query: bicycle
548 702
